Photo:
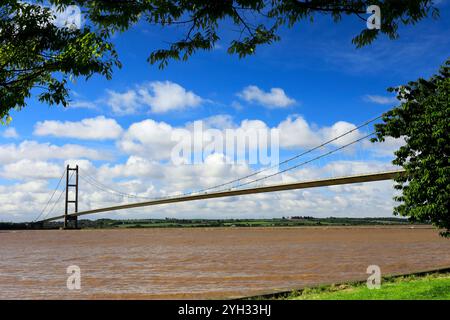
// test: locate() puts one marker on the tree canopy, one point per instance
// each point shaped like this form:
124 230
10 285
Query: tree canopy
423 120
37 55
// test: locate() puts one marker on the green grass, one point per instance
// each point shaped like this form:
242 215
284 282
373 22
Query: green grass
427 287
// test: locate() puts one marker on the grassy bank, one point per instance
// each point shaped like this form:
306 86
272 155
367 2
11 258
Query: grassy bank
430 286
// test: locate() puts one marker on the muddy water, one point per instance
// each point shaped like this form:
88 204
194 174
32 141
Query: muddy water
206 263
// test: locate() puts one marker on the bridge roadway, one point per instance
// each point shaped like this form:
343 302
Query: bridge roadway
388 175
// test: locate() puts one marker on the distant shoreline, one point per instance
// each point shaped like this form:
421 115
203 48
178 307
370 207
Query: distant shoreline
223 223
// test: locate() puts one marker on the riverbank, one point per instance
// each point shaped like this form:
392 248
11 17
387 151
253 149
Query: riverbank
433 285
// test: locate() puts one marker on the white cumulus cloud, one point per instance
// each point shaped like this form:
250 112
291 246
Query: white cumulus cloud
34 150
156 96
30 169
296 132
123 103
99 128
275 98
10 133
153 140
149 138
167 96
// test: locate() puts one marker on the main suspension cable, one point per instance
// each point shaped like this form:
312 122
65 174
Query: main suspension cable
51 197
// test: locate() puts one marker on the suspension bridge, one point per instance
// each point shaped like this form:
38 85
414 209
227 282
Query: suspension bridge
241 186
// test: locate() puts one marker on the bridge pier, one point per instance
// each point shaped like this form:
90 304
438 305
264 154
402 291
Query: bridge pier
71 223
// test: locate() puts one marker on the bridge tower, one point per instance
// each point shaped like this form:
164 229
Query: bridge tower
71 222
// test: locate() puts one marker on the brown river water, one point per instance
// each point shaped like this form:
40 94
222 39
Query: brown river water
206 263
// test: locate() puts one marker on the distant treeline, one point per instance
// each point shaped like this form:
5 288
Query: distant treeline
192 223
13 226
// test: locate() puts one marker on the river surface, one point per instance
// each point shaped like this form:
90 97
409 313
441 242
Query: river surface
206 263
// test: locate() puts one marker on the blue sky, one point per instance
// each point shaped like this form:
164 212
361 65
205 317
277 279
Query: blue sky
324 79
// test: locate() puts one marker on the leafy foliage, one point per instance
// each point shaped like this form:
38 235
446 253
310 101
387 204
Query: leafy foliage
423 119
36 54
257 21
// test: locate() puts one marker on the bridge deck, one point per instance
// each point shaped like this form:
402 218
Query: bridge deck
230 193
